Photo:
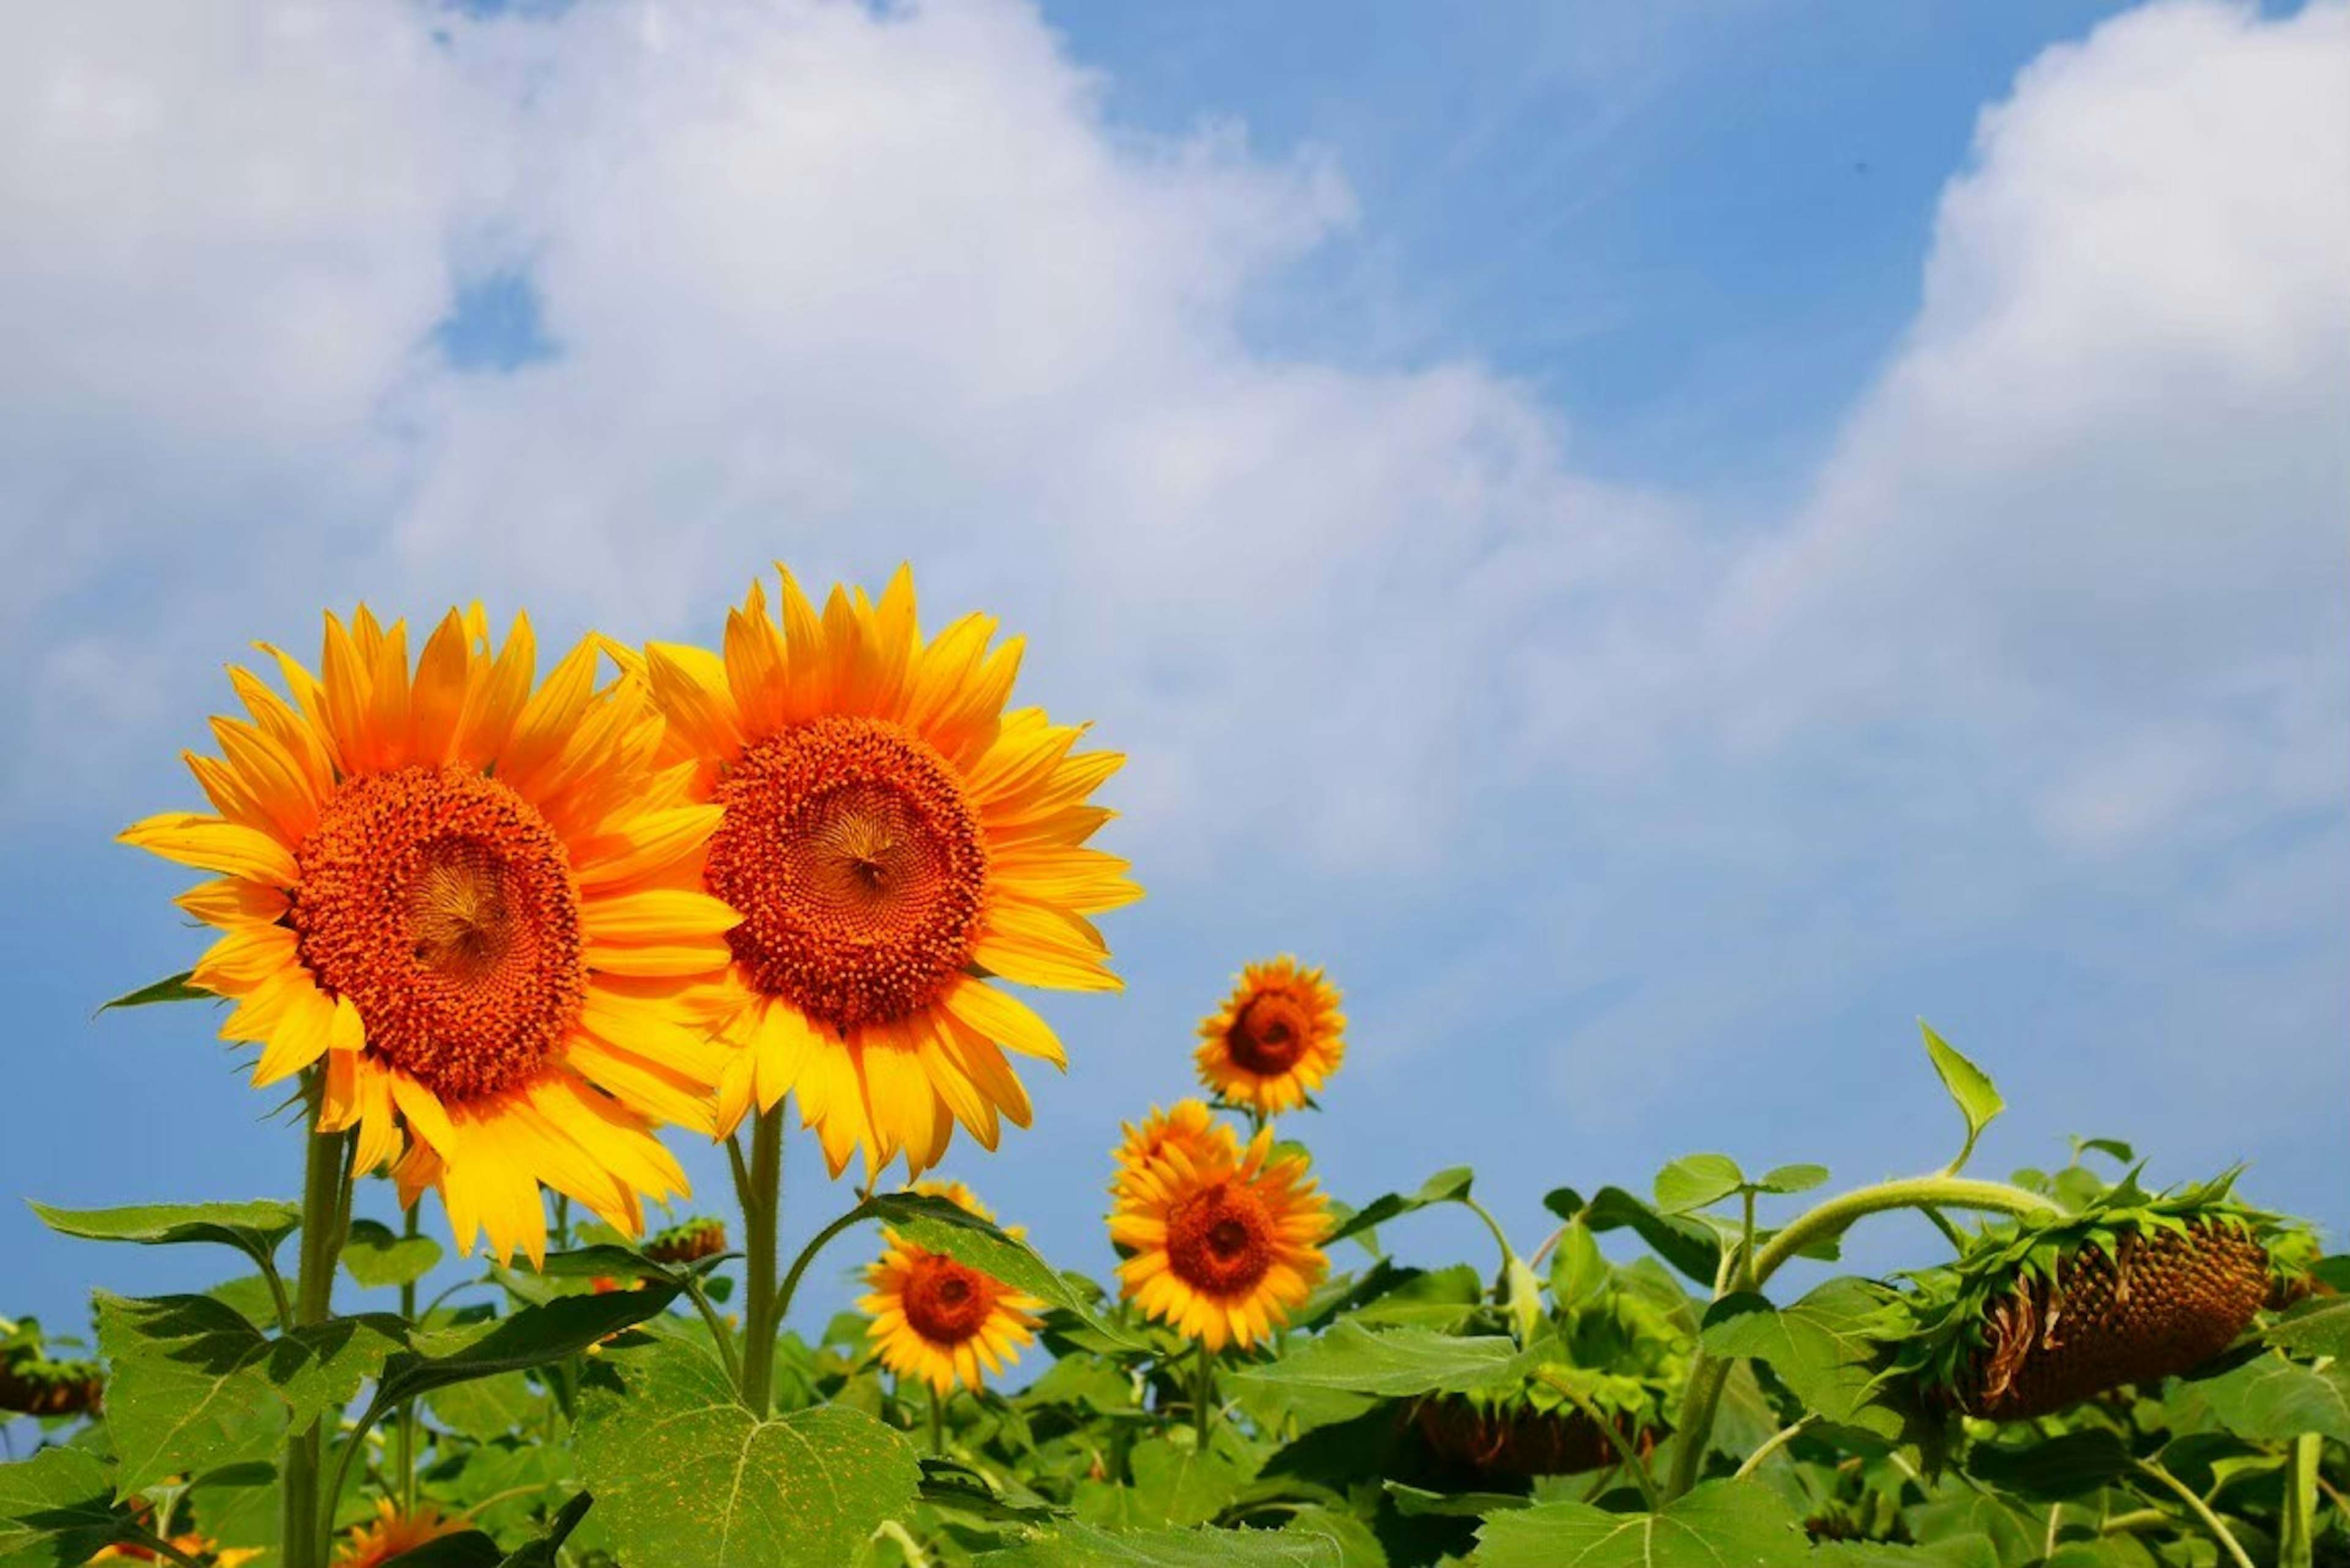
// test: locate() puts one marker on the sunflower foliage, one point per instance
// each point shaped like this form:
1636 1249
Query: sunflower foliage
2096 1374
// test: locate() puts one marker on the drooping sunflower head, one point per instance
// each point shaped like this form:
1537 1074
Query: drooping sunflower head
392 1532
1223 1244
689 1241
1278 1038
894 840
1187 1125
939 1319
32 1384
473 904
2043 1312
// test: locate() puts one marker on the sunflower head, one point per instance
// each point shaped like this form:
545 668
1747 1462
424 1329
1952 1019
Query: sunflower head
31 1384
1222 1242
939 1319
895 839
1277 1038
468 906
689 1241
2042 1314
1188 1124
392 1532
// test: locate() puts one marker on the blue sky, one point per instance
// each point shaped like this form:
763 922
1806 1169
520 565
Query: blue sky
1659 543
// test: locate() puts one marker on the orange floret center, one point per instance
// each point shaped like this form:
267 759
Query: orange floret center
945 1301
859 866
1219 1240
441 904
1270 1034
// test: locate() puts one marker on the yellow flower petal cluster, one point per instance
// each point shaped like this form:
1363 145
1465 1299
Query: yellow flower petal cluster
392 1533
1222 1241
896 840
474 900
940 1320
1277 1038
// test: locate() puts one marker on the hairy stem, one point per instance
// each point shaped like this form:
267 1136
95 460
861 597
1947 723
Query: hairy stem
763 1206
2297 1547
326 1216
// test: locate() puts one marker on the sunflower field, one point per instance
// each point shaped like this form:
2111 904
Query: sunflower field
498 925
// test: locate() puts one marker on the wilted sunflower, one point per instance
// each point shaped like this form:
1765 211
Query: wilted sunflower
392 1533
1188 1124
1224 1245
478 903
894 840
940 1320
1277 1039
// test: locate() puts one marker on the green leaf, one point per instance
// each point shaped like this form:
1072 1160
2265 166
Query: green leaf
542 1553
377 1256
2320 1326
1690 1245
1357 1545
2072 1465
1789 1179
1720 1524
1449 1186
488 1408
1399 1362
1969 1090
1697 1181
941 1225
1825 1347
1076 1545
606 1260
466 1549
2270 1399
255 1229
1418 1502
57 1511
1579 1273
534 1336
170 988
197 1386
1180 1484
1952 1551
683 1473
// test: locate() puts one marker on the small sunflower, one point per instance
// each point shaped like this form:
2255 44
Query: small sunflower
1224 1245
689 1241
393 1532
1188 1124
894 840
192 1544
940 1320
477 903
1277 1039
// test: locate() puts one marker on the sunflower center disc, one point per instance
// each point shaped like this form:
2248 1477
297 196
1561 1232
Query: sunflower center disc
858 865
945 1301
441 904
1219 1241
1270 1034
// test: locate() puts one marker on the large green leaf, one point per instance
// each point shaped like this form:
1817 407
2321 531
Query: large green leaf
1697 1181
57 1511
2270 1399
254 1227
1692 1246
488 1408
377 1256
1076 1545
2073 1465
1971 1088
1720 1524
1397 1362
1954 1552
534 1336
2320 1326
197 1386
683 1473
1825 1347
1449 1186
1180 1484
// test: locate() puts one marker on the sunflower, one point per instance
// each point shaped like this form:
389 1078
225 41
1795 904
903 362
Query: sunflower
894 839
1278 1038
476 903
199 1547
1188 1124
940 1320
1224 1242
393 1532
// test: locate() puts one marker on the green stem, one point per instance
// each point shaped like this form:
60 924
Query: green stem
763 1205
1746 1245
2198 1508
1500 1240
720 1334
1693 1428
1202 1396
326 1213
937 1420
807 1255
2297 1548
413 1225
1778 1439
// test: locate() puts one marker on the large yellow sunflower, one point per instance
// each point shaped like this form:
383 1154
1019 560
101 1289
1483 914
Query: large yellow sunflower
392 1533
894 840
478 902
1223 1244
1278 1038
940 1320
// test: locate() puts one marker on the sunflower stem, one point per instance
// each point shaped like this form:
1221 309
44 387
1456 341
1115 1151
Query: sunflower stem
2297 1548
763 1206
326 1214
1693 1428
409 1229
937 1420
1203 1396
2200 1509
